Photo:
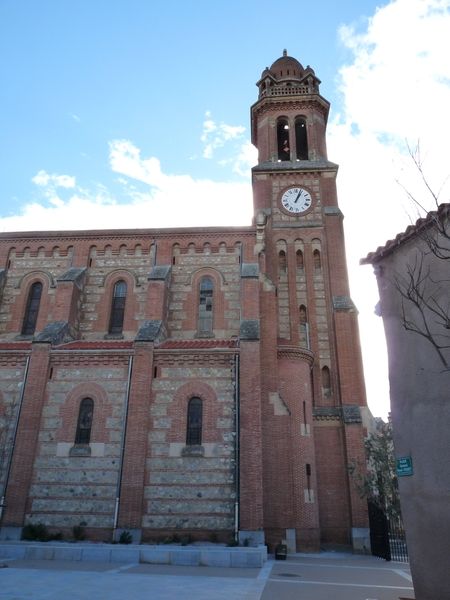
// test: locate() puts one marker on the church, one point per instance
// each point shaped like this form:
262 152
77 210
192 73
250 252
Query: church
204 382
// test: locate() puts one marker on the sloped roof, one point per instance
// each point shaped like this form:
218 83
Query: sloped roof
197 344
15 345
97 345
443 212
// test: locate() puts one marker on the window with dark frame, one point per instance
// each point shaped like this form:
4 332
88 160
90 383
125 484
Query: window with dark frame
194 422
84 423
32 309
118 307
205 306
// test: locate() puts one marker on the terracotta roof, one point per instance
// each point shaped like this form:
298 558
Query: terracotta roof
126 345
197 344
443 212
287 64
97 345
20 345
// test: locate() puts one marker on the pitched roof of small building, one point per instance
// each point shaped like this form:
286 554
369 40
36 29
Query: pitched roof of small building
443 212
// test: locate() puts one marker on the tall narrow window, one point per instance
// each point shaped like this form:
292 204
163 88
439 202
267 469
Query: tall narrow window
302 315
84 424
326 381
301 139
205 306
300 261
316 259
304 327
284 151
31 312
282 262
194 422
118 307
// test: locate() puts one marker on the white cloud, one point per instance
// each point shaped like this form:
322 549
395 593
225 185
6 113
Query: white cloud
395 91
216 135
153 199
44 179
246 159
125 158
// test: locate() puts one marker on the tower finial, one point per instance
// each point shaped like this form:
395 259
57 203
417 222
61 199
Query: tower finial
285 52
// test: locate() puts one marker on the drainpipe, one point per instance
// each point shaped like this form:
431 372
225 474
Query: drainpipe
122 446
236 445
237 409
14 436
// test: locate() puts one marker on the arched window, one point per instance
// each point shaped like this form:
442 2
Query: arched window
302 315
300 261
194 422
316 259
282 262
32 309
84 424
326 381
284 152
301 139
304 326
205 306
118 307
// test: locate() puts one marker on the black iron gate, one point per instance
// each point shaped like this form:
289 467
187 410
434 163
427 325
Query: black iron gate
379 532
387 536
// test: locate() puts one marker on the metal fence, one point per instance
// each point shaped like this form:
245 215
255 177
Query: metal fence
387 536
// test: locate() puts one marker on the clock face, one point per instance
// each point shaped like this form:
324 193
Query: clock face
296 200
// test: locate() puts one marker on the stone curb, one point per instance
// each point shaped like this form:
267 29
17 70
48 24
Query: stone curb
161 555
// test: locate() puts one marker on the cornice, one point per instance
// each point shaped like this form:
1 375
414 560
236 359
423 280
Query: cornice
121 234
296 353
275 104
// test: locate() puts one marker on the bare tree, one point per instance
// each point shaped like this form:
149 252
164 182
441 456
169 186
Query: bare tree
437 233
424 284
425 302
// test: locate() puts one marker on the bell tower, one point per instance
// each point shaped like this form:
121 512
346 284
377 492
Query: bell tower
289 127
313 395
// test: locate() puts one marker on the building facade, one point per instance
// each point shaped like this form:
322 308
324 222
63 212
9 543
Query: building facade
412 273
205 381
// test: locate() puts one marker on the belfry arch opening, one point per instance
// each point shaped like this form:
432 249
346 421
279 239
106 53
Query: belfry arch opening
284 151
301 139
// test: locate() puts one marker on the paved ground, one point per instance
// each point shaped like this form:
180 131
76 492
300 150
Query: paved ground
342 578
302 577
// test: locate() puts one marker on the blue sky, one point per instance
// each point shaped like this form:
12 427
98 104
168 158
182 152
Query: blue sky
136 114
76 75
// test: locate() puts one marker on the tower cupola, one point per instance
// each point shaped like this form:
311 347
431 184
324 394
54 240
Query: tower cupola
289 117
287 76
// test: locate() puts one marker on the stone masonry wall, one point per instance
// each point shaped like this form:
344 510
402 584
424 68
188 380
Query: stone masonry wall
12 372
106 267
191 488
24 268
68 489
190 263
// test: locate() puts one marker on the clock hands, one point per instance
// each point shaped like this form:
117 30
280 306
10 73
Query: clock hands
298 196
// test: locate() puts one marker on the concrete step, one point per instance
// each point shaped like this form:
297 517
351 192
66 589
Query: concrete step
171 554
